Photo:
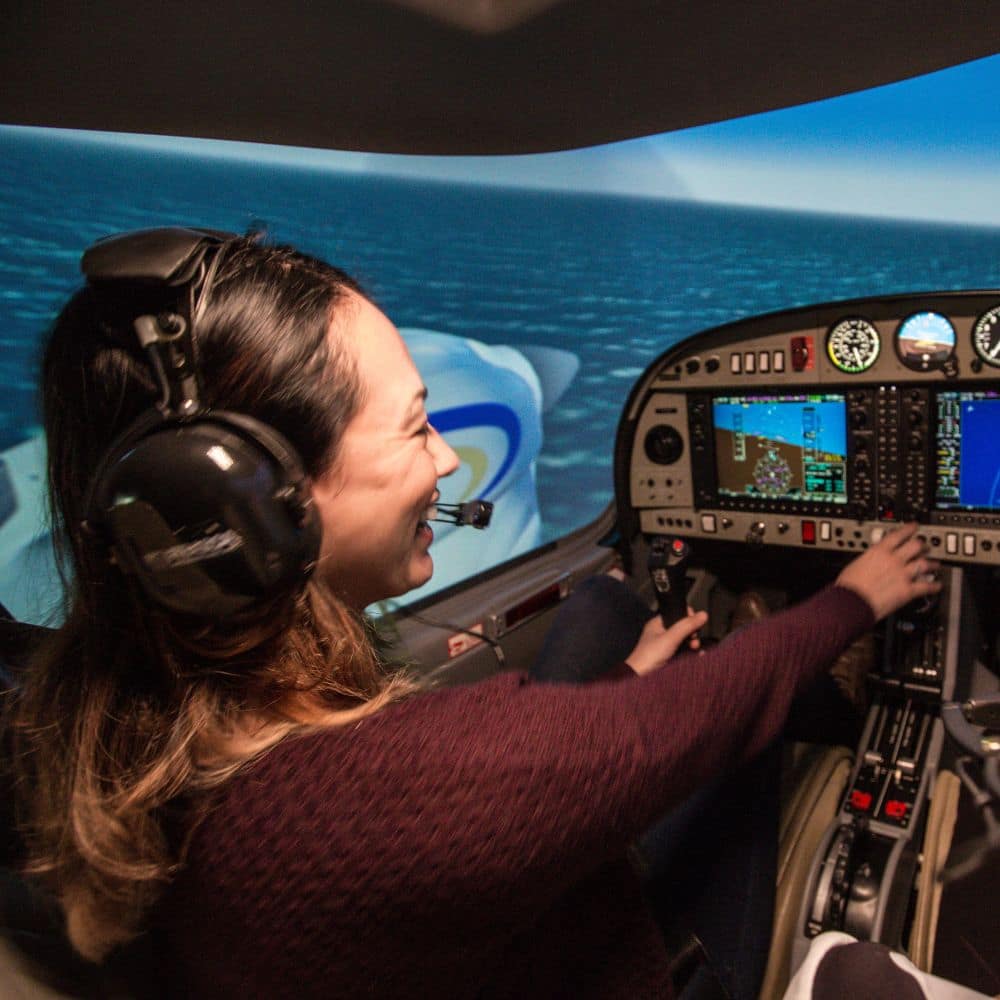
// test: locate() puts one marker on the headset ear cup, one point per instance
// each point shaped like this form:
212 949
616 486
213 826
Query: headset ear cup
211 516
297 492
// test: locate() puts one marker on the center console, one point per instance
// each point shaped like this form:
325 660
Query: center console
864 870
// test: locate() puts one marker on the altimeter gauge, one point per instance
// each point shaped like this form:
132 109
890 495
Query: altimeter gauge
986 337
853 345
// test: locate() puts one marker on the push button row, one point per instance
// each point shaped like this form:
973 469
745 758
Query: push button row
809 532
954 543
951 544
751 362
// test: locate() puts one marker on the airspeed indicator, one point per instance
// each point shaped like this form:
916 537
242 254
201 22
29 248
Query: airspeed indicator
853 345
986 337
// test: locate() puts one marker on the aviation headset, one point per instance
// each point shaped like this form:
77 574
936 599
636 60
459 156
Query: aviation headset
209 511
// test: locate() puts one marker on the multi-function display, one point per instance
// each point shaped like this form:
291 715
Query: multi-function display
788 447
968 451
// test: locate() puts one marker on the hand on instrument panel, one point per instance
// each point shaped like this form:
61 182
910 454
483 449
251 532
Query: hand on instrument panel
893 572
657 644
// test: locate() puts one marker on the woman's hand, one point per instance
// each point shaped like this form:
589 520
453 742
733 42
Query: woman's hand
893 572
657 644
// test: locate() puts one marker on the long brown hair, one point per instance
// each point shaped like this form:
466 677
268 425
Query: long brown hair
128 714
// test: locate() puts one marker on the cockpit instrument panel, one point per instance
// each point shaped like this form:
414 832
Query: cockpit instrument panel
799 429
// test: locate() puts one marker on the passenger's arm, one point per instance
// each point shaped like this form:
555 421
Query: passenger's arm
492 798
496 796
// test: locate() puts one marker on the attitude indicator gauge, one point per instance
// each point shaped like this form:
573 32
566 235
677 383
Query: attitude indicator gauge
853 345
925 341
986 337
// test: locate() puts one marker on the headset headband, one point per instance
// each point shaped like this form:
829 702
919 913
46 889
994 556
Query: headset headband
169 259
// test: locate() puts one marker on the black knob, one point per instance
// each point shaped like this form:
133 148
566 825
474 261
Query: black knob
864 887
663 444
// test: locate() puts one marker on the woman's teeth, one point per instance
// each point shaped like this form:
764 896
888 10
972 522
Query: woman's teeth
429 514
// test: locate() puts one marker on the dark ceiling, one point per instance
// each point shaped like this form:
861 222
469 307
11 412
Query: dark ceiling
366 75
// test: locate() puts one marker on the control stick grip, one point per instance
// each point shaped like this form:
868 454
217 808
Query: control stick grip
668 561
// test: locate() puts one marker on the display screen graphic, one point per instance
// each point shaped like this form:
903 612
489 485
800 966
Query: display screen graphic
788 447
968 451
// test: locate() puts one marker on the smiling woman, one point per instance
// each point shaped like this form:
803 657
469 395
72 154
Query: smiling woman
375 501
163 442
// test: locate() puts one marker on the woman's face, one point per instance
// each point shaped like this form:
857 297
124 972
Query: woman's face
374 501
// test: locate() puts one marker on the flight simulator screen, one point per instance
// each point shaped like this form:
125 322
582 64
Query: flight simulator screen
968 451
782 447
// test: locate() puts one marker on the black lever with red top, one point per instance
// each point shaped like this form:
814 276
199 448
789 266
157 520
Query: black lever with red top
668 561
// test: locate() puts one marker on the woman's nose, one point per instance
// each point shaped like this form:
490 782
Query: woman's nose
445 459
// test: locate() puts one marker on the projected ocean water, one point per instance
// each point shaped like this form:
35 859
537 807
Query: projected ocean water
613 280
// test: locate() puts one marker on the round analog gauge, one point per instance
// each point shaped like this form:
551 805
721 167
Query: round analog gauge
986 337
853 345
925 341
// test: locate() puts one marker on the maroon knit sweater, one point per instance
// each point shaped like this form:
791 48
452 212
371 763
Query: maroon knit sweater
471 842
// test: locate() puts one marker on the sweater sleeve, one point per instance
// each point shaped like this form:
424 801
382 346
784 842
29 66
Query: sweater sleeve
520 789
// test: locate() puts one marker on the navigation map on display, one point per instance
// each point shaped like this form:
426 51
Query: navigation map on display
968 450
789 447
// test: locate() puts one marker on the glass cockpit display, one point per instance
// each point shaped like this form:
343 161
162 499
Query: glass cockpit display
968 450
782 447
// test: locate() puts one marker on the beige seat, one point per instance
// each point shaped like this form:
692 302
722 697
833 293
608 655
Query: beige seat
816 777
25 979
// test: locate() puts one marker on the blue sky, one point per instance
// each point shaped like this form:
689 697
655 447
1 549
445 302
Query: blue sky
784 422
923 148
929 117
927 148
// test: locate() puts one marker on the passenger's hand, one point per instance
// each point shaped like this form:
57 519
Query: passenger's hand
893 572
657 644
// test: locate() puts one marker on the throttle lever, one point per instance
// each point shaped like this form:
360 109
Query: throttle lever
668 561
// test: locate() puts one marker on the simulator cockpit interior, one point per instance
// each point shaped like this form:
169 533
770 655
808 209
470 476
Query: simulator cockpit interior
705 298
